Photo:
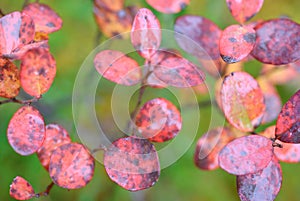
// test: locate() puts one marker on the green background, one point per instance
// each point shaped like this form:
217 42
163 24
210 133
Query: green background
182 181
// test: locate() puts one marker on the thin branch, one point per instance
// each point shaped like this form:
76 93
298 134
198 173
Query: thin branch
1 13
25 3
46 192
22 102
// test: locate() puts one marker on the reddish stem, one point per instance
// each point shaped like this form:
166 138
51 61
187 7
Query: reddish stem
1 13
46 192
22 102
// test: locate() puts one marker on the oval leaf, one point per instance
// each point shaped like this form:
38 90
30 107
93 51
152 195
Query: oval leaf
202 31
272 100
113 23
236 43
158 120
45 19
289 153
21 189
288 122
117 67
71 166
209 146
27 30
16 30
277 42
132 163
145 33
179 72
38 69
111 5
244 10
56 135
246 155
242 101
26 130
168 6
263 185
9 79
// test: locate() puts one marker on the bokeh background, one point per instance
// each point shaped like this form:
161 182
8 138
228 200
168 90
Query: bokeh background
182 181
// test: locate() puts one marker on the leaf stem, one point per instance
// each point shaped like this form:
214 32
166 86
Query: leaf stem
46 192
1 13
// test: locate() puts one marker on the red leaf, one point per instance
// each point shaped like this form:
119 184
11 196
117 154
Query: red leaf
244 10
45 19
38 69
202 31
146 33
71 166
236 43
277 42
209 146
9 32
9 79
56 136
27 30
158 120
262 185
288 122
155 61
246 155
111 5
21 189
179 72
26 130
20 52
16 30
117 67
242 101
272 100
289 153
113 23
132 163
168 6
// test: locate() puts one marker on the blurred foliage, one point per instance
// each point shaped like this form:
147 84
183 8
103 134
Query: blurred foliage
181 181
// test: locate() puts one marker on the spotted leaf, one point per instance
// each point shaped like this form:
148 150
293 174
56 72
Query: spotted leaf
262 185
71 166
56 135
289 153
246 155
132 163
244 10
117 67
288 122
168 6
277 41
16 30
21 189
145 33
242 101
272 100
158 120
202 36
113 23
38 69
45 19
236 43
26 130
9 79
111 5
179 72
209 146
